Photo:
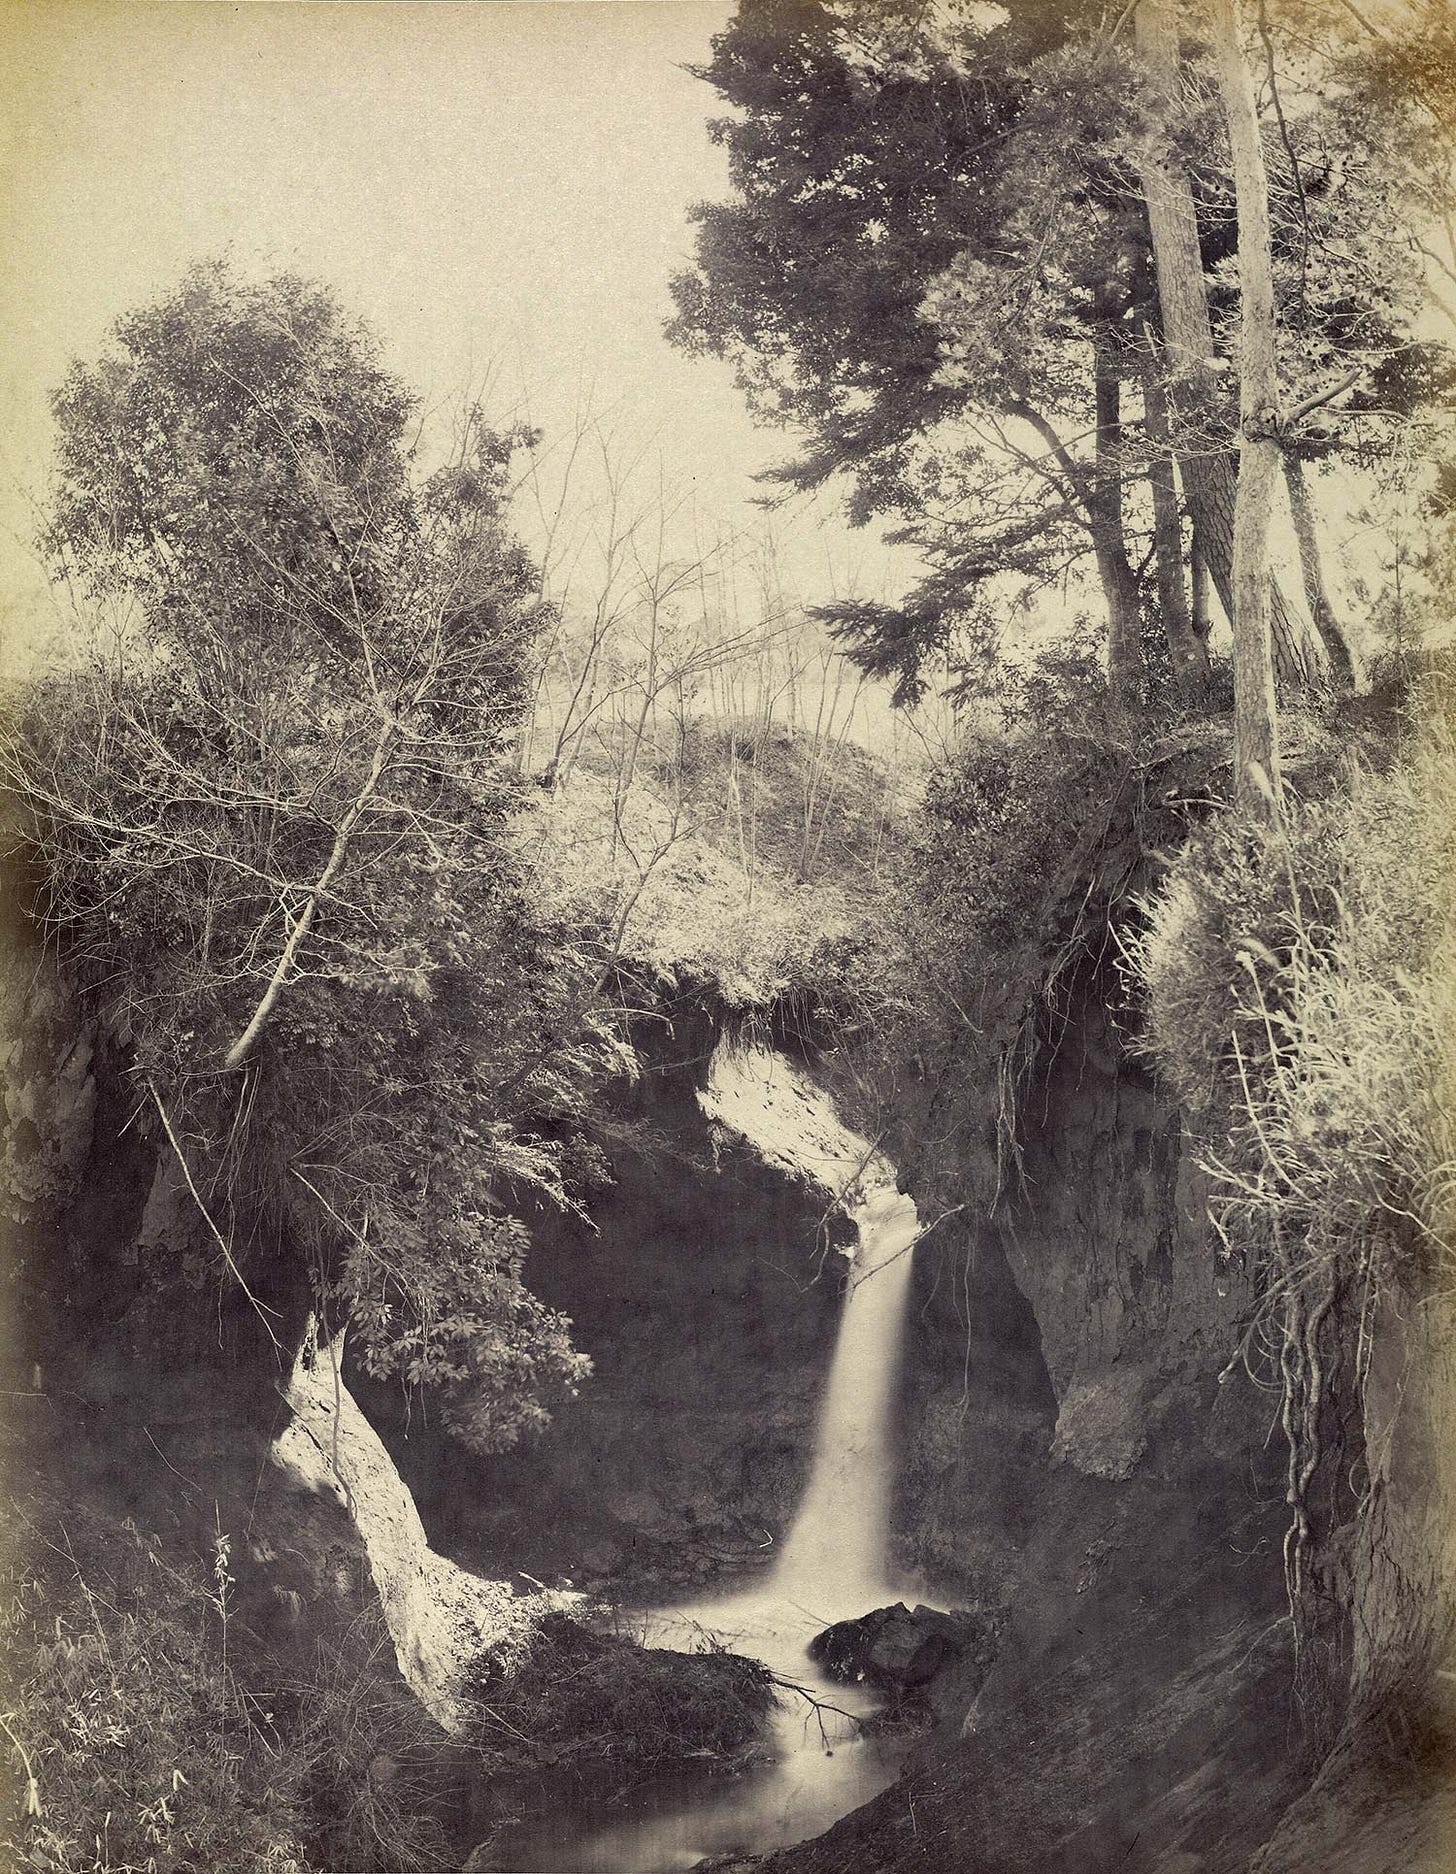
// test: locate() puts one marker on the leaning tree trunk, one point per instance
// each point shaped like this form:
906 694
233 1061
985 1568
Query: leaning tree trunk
1256 729
1187 650
1109 542
1344 659
1210 472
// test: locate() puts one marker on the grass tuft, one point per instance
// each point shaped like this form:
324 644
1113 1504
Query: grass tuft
147 1735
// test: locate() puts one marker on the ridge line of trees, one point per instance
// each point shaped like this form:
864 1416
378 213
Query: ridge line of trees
957 239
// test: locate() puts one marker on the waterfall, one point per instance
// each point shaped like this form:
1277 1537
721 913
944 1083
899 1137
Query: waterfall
836 1551
835 1556
834 1563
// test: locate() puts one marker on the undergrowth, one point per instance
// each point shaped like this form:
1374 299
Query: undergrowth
145 1735
145 1729
600 1705
1006 894
744 861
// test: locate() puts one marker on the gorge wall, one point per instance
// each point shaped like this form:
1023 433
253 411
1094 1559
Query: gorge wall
154 1405
707 1287
1142 1710
1137 1714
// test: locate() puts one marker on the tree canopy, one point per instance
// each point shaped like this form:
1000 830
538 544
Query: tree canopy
939 267
272 792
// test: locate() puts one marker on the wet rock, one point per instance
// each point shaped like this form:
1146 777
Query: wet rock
1102 1426
896 1649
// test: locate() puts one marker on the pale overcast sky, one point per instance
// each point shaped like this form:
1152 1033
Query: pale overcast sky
489 181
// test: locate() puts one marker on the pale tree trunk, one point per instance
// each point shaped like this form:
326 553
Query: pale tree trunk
1344 658
1256 728
1202 615
1187 650
1209 469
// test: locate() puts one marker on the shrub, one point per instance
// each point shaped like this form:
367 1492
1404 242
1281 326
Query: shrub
745 865
372 1771
1299 1003
595 1702
1005 893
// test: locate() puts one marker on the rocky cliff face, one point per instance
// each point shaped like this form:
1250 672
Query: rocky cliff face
1141 1711
441 1618
1385 1797
145 1393
977 1414
1083 1459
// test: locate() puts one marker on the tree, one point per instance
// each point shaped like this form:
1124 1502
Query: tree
1327 297
963 244
967 305
1256 731
880 284
273 794
1195 392
1400 65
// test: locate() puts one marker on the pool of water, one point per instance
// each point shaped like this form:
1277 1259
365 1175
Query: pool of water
819 1765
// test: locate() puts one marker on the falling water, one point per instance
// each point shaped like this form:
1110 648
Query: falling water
836 1551
834 1563
835 1556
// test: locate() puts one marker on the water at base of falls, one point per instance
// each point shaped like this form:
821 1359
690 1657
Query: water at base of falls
820 1767
833 1565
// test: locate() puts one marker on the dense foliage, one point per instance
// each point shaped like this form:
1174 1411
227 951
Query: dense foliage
272 796
1002 905
612 1711
941 267
1298 1006
1300 1003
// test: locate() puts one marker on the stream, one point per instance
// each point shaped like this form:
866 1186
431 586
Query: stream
833 1564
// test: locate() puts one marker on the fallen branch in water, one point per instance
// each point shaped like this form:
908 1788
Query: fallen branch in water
820 1706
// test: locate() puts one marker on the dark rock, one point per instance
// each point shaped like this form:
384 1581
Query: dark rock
896 1649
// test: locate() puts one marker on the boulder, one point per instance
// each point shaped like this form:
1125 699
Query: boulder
895 1649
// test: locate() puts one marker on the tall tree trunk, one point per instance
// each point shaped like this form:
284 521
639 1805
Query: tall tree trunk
1344 659
1256 728
1109 542
1208 466
1187 650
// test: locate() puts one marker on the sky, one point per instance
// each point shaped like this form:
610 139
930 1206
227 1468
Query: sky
501 189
